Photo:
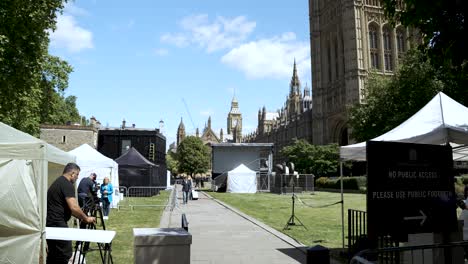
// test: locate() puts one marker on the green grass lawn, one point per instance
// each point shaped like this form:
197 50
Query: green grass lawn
123 221
323 224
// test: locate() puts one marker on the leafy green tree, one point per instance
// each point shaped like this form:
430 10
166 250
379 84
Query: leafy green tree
392 100
444 27
321 160
193 156
171 162
24 40
55 107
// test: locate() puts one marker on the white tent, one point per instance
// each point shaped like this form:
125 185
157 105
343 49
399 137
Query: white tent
27 166
442 120
90 160
242 180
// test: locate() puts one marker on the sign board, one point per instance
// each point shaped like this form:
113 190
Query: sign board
410 189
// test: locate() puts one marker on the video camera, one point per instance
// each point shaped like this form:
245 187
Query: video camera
94 191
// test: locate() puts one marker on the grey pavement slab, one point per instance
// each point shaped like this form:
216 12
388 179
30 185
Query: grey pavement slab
221 234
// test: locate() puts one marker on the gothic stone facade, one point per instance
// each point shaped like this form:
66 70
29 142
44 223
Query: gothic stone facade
349 38
292 121
208 136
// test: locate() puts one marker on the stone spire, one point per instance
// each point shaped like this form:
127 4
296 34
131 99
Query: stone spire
180 132
209 122
295 83
234 106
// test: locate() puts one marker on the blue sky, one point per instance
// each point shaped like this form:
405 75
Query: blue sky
139 60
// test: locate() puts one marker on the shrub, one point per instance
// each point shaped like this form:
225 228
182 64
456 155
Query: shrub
349 183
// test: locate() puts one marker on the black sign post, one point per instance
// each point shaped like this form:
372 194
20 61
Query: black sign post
410 189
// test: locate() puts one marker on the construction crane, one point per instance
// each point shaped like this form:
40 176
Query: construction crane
188 112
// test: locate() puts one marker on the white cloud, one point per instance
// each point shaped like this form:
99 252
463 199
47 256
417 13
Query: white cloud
70 36
212 36
271 57
176 39
161 52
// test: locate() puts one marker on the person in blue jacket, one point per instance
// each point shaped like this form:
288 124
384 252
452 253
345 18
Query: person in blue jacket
106 195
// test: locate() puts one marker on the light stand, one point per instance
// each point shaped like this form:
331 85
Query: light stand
92 208
293 216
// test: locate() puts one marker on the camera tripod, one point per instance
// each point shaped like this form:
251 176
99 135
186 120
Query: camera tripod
293 216
92 208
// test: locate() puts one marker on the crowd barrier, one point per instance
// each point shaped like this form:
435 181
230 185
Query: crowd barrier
141 196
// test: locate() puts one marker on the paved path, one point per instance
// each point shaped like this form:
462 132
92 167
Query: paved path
220 234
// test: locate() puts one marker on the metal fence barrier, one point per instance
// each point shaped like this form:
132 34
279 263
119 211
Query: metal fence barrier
123 191
357 231
447 253
142 196
284 183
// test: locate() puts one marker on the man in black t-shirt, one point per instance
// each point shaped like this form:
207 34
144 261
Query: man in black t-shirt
85 188
61 204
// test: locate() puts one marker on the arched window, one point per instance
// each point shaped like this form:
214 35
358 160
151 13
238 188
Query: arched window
387 41
373 46
401 41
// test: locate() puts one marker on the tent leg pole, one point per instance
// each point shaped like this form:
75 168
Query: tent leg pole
342 206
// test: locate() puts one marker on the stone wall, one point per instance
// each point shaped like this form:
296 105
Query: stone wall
69 137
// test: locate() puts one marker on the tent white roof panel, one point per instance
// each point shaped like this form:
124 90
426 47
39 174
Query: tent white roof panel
90 156
26 168
15 143
440 121
242 180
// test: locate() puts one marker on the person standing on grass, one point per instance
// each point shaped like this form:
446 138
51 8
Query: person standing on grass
186 188
61 205
106 196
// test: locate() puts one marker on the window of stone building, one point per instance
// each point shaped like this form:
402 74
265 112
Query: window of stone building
373 2
373 46
401 41
64 139
387 41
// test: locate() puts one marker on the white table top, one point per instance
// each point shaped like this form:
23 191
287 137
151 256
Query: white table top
75 234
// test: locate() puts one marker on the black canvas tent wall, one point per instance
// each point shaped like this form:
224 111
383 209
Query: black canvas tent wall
136 170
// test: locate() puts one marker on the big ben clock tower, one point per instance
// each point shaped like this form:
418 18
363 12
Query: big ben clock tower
234 119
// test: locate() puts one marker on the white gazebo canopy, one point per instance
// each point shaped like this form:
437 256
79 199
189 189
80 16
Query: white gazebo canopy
90 160
241 180
27 167
441 121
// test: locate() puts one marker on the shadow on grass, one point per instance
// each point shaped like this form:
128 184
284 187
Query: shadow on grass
295 253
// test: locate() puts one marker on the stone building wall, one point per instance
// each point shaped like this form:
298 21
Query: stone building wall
349 39
69 137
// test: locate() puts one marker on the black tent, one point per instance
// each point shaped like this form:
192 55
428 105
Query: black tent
136 170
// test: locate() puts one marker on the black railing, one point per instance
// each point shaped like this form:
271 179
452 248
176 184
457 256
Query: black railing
422 254
357 231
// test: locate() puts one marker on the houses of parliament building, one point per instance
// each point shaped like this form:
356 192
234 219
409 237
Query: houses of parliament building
349 39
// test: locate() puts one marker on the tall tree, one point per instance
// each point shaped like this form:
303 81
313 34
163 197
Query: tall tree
193 156
390 101
55 107
444 27
24 40
171 162
317 159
